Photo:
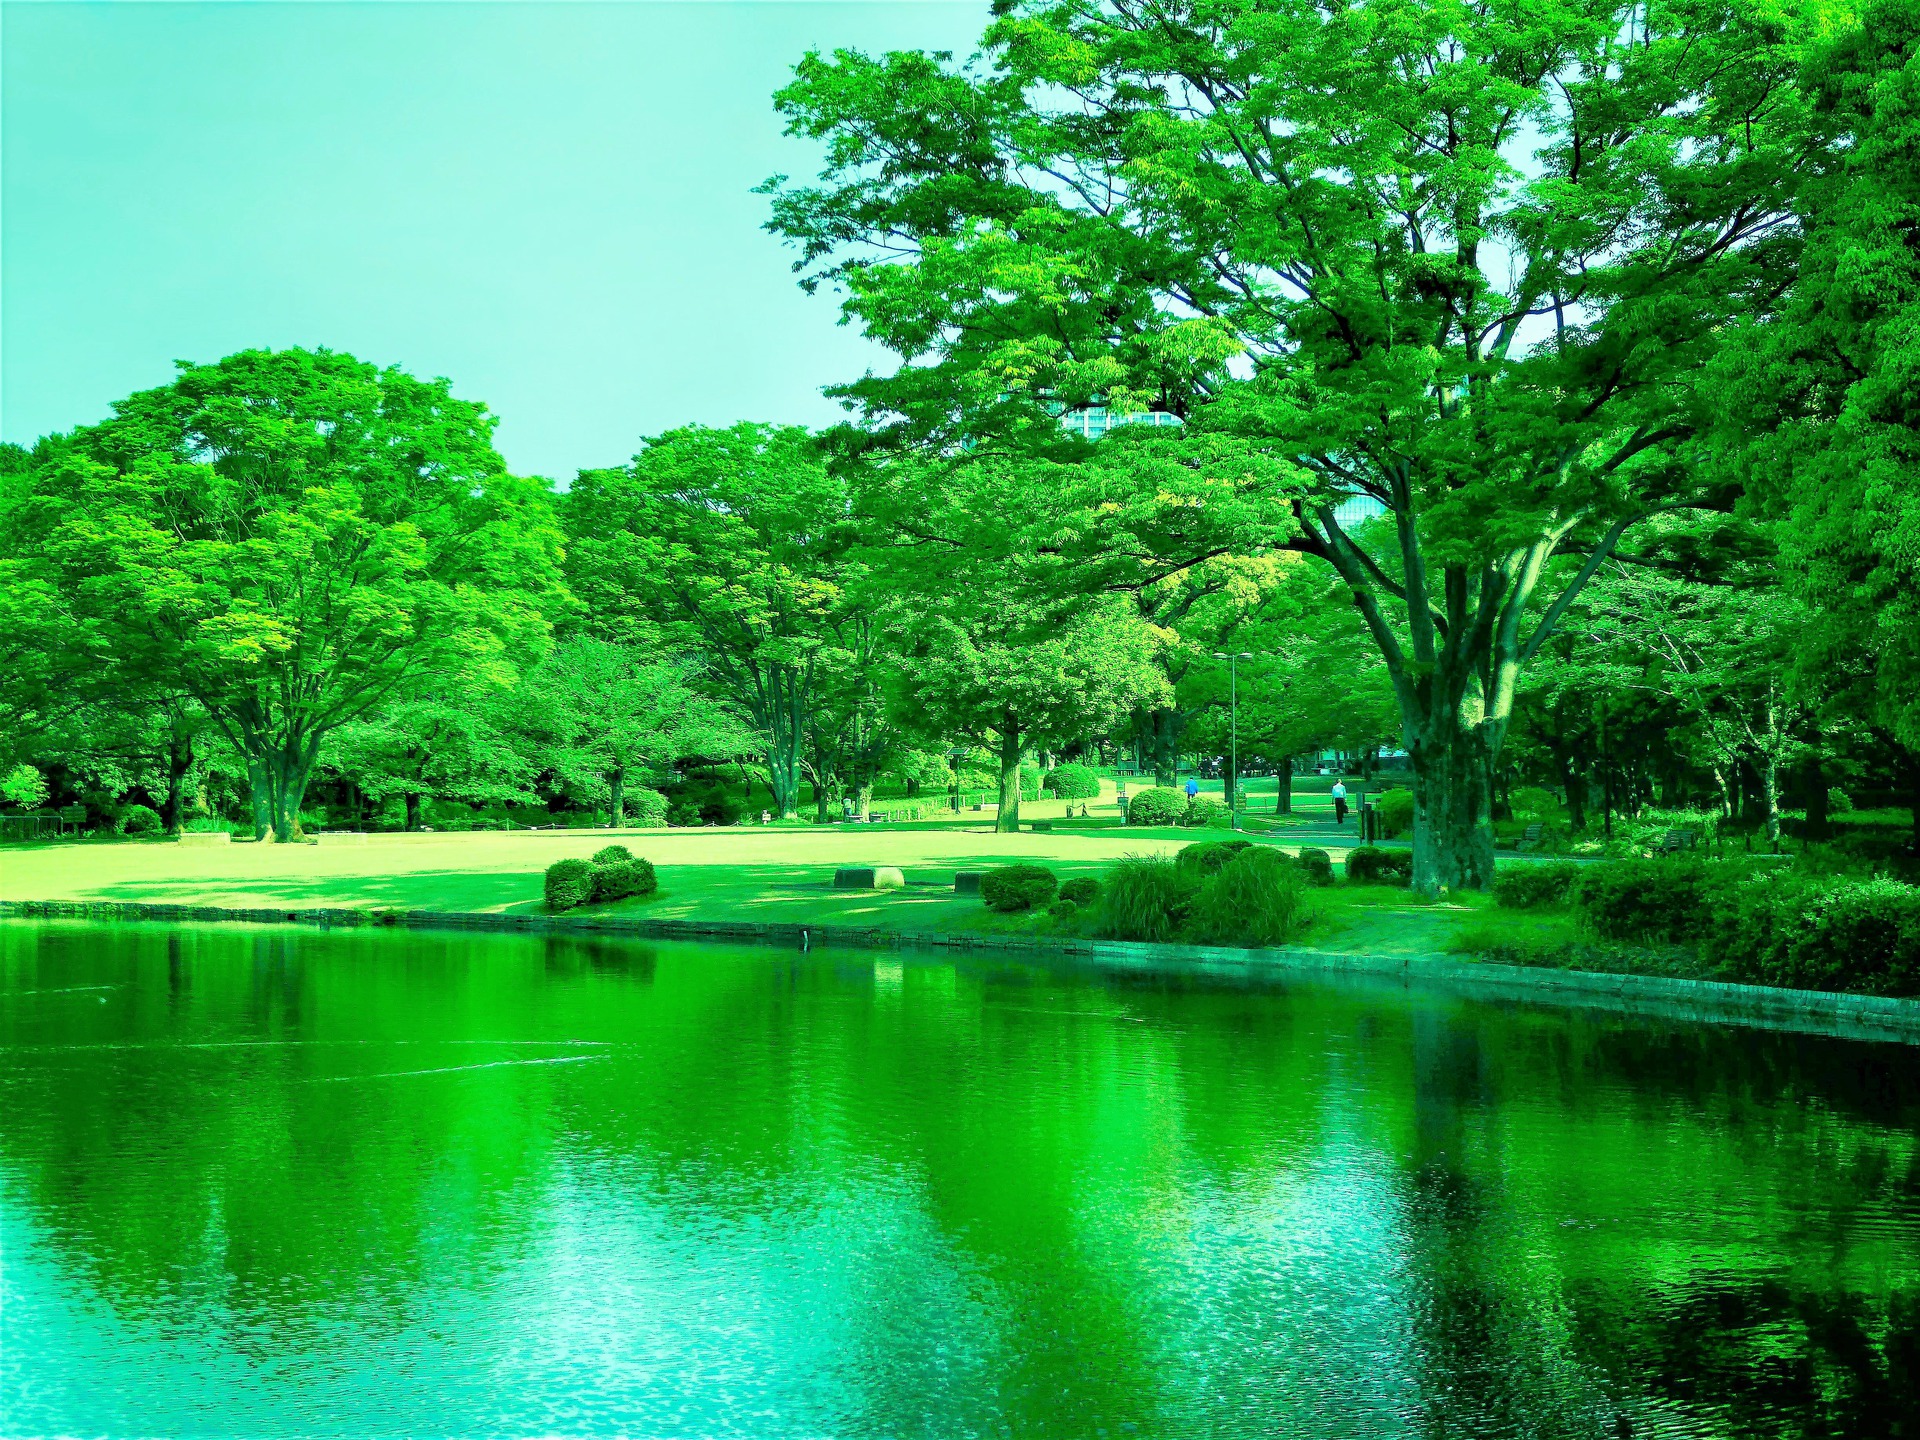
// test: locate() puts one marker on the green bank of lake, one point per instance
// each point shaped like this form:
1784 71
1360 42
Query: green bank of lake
272 1182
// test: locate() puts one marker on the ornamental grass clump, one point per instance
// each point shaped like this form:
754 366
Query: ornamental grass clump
1257 899
1012 888
1147 897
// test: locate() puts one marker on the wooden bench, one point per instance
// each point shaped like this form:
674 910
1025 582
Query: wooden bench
1674 841
1534 838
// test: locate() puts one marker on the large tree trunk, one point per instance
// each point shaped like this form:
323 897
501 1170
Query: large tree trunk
1769 769
1008 820
1452 831
179 762
260 794
1813 776
863 796
1283 786
617 796
1166 747
412 799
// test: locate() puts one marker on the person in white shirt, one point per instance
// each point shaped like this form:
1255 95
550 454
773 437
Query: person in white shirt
1339 802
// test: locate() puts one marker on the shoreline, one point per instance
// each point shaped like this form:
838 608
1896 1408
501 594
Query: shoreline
1865 1017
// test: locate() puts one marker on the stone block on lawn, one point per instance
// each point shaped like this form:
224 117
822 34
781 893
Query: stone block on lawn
340 837
872 877
966 882
1042 826
206 837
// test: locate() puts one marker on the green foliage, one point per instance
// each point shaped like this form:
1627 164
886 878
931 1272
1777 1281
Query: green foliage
1064 909
1395 809
1210 856
621 879
703 799
612 855
1160 805
1256 899
1532 886
569 884
1147 897
139 820
1831 933
1073 782
1315 864
24 786
1081 890
1534 802
295 538
646 808
1009 888
1838 801
1648 900
1203 810
1370 865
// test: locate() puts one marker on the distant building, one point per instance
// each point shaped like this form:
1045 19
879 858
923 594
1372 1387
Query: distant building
1091 422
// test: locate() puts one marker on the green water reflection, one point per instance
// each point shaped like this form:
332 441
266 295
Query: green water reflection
273 1182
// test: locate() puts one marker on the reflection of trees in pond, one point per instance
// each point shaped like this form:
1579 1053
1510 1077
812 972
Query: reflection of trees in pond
572 954
1144 1194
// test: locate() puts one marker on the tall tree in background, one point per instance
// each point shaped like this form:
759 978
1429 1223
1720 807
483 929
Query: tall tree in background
727 543
1475 260
294 539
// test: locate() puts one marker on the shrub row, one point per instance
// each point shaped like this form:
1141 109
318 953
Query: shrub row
614 873
1755 926
1017 887
1370 865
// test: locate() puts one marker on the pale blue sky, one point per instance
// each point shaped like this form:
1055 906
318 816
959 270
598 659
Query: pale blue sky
548 203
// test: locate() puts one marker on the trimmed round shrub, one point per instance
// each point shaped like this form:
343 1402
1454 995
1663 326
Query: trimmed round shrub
1017 887
1315 864
1159 806
1529 887
1082 889
1210 856
646 809
1370 865
1258 899
1063 909
139 820
612 855
1147 897
1395 811
623 879
1204 810
1072 782
569 884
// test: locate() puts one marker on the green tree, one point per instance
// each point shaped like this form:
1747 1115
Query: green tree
978 664
609 713
728 543
1469 261
452 747
295 539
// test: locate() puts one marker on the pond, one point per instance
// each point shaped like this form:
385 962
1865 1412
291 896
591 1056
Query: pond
272 1181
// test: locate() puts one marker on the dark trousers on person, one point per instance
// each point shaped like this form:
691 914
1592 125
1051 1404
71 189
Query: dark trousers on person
1339 809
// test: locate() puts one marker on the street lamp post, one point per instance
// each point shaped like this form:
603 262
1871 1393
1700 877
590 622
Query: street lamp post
1233 729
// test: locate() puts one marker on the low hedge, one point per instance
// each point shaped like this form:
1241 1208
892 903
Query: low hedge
1159 806
1662 901
569 884
1072 782
1315 864
1010 888
1369 865
1529 887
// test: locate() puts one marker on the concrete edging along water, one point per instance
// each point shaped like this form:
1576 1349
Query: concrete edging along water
1876 1017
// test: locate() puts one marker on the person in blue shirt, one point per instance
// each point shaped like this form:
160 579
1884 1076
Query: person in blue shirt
1193 787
